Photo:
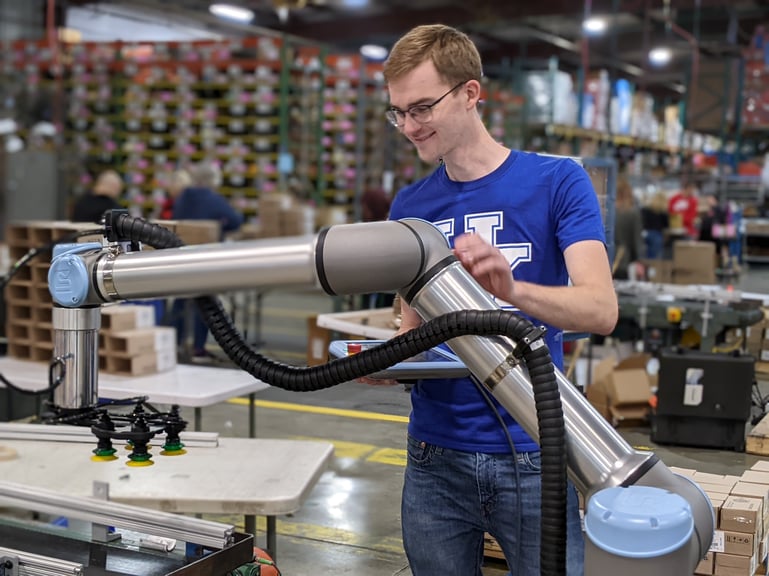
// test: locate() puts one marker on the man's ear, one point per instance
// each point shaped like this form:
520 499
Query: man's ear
472 89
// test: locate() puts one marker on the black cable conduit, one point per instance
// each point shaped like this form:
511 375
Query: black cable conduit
552 436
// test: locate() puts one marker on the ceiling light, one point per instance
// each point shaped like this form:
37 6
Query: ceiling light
660 56
354 3
594 25
231 12
373 52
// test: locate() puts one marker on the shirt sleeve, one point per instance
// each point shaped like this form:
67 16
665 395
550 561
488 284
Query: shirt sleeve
230 218
576 210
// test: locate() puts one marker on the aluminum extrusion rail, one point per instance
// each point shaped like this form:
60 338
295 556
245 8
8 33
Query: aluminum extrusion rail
28 564
186 529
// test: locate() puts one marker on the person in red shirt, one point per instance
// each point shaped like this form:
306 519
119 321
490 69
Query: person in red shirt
682 208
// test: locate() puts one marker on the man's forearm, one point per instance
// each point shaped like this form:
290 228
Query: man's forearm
578 308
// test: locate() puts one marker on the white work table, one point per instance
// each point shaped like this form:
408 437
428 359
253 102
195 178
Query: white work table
375 323
268 477
185 385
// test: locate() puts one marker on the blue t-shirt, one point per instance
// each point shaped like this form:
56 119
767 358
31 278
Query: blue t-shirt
532 208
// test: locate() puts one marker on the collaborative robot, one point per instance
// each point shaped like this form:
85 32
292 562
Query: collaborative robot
641 518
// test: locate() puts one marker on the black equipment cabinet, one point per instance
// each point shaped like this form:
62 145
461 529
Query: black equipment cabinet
703 399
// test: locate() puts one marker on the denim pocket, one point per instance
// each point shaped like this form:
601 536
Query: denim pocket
530 462
419 452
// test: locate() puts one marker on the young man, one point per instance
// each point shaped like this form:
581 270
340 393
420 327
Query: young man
504 211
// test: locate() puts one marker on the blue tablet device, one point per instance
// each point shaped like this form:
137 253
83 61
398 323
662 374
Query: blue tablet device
434 363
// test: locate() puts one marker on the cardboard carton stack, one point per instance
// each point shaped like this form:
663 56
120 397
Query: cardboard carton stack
756 341
131 344
694 262
741 506
621 389
282 214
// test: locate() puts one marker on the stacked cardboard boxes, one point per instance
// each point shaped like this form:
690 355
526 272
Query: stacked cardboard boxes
694 262
131 344
284 215
620 390
755 339
741 506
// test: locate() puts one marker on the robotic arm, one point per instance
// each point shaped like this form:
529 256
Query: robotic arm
640 516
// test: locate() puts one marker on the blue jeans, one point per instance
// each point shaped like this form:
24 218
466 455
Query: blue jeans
179 320
451 498
654 244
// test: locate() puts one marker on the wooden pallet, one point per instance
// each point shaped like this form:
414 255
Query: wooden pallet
757 441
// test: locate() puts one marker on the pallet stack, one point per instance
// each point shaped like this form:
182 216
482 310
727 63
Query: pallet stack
29 307
130 344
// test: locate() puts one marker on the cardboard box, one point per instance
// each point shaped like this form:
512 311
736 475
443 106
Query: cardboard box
688 472
740 543
694 262
749 490
318 340
706 565
658 271
755 477
165 360
741 514
620 391
733 565
140 365
708 478
629 387
714 490
761 466
140 341
199 231
122 317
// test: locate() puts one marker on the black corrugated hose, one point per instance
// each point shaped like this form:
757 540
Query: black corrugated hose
431 333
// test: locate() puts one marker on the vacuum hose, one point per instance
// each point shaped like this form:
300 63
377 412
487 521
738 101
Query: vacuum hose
529 346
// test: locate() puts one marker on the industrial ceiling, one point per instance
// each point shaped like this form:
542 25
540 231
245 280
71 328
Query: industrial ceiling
507 30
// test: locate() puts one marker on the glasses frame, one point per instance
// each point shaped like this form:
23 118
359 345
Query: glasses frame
394 115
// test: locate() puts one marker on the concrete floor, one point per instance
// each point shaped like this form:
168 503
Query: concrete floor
351 522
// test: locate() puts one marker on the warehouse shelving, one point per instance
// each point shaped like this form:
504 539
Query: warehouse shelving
755 233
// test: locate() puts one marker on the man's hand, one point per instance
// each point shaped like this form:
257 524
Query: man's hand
487 265
409 320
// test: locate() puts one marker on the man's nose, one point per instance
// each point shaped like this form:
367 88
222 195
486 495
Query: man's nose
410 125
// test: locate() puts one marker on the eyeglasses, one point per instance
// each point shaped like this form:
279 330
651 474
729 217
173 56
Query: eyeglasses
421 113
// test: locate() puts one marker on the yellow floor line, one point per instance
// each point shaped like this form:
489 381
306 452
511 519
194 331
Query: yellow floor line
360 414
365 452
324 534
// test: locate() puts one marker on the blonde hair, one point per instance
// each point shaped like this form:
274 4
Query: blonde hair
108 183
179 180
658 202
453 54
